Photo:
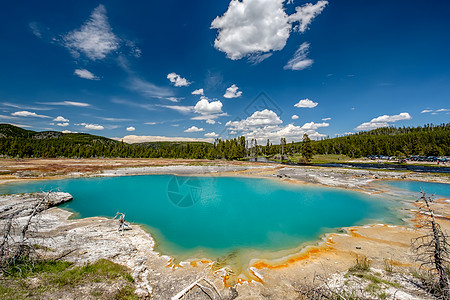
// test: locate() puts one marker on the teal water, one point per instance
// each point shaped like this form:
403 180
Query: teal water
219 215
438 189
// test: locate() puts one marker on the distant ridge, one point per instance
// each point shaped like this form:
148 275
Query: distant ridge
11 131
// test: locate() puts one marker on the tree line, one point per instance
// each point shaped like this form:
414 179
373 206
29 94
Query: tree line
428 140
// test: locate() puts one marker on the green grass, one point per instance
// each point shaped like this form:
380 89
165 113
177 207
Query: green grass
63 277
362 265
329 158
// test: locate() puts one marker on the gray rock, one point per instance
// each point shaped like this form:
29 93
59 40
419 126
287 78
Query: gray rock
21 205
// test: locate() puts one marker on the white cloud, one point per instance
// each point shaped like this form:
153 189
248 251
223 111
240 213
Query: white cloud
150 123
147 89
434 112
35 28
114 119
306 13
306 103
194 129
211 134
257 119
209 118
266 124
95 38
177 80
8 117
131 128
255 59
131 139
63 124
25 113
91 126
300 61
180 108
314 126
60 119
204 107
174 99
68 131
83 73
199 92
258 26
294 117
24 107
326 119
232 92
67 103
383 121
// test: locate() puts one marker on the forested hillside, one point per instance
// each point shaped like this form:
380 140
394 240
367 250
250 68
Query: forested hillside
426 140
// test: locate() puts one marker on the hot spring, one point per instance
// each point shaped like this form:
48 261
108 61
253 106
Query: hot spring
218 217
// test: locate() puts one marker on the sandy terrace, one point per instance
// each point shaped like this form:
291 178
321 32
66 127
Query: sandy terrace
94 238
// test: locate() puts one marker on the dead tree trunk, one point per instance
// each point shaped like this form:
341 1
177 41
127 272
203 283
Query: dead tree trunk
433 249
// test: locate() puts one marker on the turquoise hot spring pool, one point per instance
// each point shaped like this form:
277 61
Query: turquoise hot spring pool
216 216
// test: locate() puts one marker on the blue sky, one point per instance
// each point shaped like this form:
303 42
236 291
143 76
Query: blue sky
168 70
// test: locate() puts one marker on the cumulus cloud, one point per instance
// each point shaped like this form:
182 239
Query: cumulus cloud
259 26
232 92
91 126
68 131
383 121
177 80
85 74
265 117
210 121
199 92
60 119
63 124
204 107
326 119
306 103
211 134
314 126
131 128
194 129
294 117
266 124
25 113
95 38
300 61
